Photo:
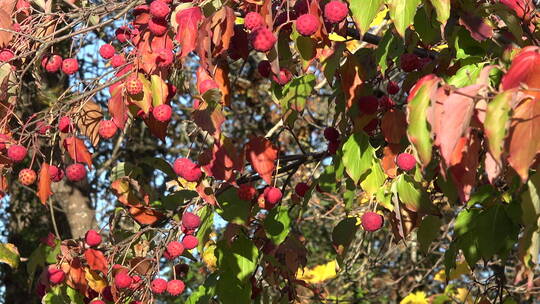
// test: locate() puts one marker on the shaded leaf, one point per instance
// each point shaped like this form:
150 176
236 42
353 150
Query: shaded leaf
9 254
343 234
277 224
402 13
209 117
232 208
394 126
428 231
262 155
88 122
414 196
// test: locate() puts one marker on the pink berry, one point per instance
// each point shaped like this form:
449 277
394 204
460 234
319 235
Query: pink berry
175 249
159 9
107 129
262 39
191 220
55 275
97 302
253 20
335 11
158 286
122 34
52 63
386 102
163 112
189 242
372 221
307 24
175 287
368 104
272 195
6 55
187 169
107 51
405 161
283 78
158 27
76 172
92 238
301 189
56 174
70 66
122 279
17 153
118 60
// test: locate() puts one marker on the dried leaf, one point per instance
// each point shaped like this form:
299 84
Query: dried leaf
77 150
262 156
44 184
88 122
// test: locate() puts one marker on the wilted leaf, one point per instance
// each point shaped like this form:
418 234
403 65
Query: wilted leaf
5 22
388 161
262 156
77 150
223 30
75 275
480 30
44 183
351 79
96 260
88 122
145 216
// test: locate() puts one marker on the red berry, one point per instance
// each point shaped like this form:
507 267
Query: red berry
187 169
283 78
16 27
97 302
189 242
368 104
372 221
272 196
301 189
122 279
6 55
165 57
371 126
405 161
107 51
55 275
422 62
162 112
158 286
70 66
17 153
159 9
262 39
158 27
107 129
56 174
307 24
409 62
331 134
134 85
265 68
42 127
206 85
246 192
333 146
392 88
175 249
386 102
52 64
76 172
191 220
253 20
136 282
175 287
118 60
27 177
336 11
92 238
122 34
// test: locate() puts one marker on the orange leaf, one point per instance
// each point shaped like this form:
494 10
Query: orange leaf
117 106
75 275
223 30
128 192
222 79
205 191
389 159
77 150
96 260
145 216
5 22
262 155
44 184
464 173
351 80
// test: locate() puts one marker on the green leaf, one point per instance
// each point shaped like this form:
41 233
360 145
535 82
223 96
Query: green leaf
207 220
469 247
493 228
172 201
306 47
343 234
402 13
450 257
390 47
426 27
358 155
277 224
482 194
466 75
442 7
466 221
496 122
428 231
230 290
240 258
205 292
233 209
327 179
125 169
296 92
375 179
9 254
414 196
161 165
74 296
331 63
530 202
363 13
55 296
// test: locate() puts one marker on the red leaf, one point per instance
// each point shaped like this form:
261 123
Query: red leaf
522 8
44 184
262 155
394 126
464 173
209 118
77 150
157 128
96 260
525 69
478 28
146 57
455 118
222 161
186 33
524 136
75 275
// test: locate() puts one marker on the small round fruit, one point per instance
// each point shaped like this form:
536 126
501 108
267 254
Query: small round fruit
6 55
70 66
392 88
191 220
55 275
246 192
107 129
262 39
335 11
92 238
158 286
307 24
163 112
17 153
27 177
76 172
97 302
118 60
405 161
283 78
265 68
253 20
301 189
372 221
175 287
56 174
409 62
331 134
52 64
122 279
134 85
107 51
187 169
175 249
157 26
272 195
368 104
190 242
159 9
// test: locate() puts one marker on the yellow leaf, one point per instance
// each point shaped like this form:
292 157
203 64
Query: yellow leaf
379 18
209 258
239 20
319 273
462 268
335 37
95 281
464 296
439 48
418 297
